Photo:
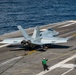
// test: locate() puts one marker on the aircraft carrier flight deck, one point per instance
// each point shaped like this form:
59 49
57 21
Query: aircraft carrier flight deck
61 57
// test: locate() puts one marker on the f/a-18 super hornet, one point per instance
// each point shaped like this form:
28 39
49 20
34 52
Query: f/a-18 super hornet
38 38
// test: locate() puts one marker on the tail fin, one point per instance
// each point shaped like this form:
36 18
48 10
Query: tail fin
24 33
36 33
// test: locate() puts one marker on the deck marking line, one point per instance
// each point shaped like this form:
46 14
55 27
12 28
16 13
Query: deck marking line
69 33
72 21
66 25
67 71
10 60
68 66
4 45
57 65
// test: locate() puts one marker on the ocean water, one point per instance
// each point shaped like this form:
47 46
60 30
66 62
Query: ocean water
30 13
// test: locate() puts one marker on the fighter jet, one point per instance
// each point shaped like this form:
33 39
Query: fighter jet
37 38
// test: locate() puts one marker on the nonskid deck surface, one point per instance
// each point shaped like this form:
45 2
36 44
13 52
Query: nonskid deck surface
60 56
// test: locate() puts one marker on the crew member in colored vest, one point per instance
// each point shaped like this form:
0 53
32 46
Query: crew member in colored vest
44 63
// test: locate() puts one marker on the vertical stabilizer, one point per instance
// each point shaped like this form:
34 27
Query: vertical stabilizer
36 33
24 33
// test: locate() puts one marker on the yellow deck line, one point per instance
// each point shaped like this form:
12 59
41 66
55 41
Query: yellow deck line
74 34
30 52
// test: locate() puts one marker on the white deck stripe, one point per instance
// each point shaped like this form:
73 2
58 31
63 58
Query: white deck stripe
67 71
4 45
68 66
67 25
8 61
57 65
69 33
72 21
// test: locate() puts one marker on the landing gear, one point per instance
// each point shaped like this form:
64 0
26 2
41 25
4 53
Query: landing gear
44 47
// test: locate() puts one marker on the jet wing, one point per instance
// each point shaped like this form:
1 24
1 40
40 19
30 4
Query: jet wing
12 41
55 40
